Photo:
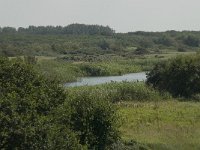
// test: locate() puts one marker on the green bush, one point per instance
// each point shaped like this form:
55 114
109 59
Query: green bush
179 76
35 113
28 110
94 119
191 41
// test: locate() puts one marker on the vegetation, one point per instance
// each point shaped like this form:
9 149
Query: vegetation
119 92
35 113
67 71
26 108
93 40
95 120
70 29
161 125
179 76
150 120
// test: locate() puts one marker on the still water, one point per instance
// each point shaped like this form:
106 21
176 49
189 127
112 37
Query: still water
141 76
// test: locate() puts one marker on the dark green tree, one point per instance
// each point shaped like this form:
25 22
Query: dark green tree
179 76
8 30
191 41
29 109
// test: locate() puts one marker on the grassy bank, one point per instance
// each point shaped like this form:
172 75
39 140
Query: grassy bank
119 92
150 119
68 70
162 125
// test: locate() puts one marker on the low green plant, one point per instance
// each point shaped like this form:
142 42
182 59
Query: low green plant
124 91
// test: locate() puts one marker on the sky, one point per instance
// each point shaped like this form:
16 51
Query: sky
121 15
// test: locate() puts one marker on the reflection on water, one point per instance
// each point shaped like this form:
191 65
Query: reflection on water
141 76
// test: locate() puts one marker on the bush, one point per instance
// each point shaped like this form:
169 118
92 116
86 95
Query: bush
29 108
191 41
94 119
141 51
36 114
179 76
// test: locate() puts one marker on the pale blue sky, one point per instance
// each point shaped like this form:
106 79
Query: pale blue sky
122 15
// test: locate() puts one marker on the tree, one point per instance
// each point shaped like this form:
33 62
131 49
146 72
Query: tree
179 76
191 41
165 40
104 45
8 30
146 43
36 113
29 109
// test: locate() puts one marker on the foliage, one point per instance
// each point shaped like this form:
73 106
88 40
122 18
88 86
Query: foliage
192 41
60 70
124 91
141 51
67 71
90 40
94 119
161 125
165 40
35 113
179 76
28 102
129 145
108 68
70 29
104 45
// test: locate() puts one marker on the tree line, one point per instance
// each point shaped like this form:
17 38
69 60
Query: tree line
70 29
80 39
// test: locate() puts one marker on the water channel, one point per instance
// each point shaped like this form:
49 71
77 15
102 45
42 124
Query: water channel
141 76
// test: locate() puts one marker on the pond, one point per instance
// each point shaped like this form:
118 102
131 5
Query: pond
141 76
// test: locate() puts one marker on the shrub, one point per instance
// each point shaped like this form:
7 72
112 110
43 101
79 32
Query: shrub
36 114
141 51
179 76
95 120
29 107
191 41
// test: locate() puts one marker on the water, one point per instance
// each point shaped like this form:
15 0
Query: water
141 76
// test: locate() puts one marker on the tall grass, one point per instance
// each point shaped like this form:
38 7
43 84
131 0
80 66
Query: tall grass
63 71
70 71
170 125
109 68
117 92
67 71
